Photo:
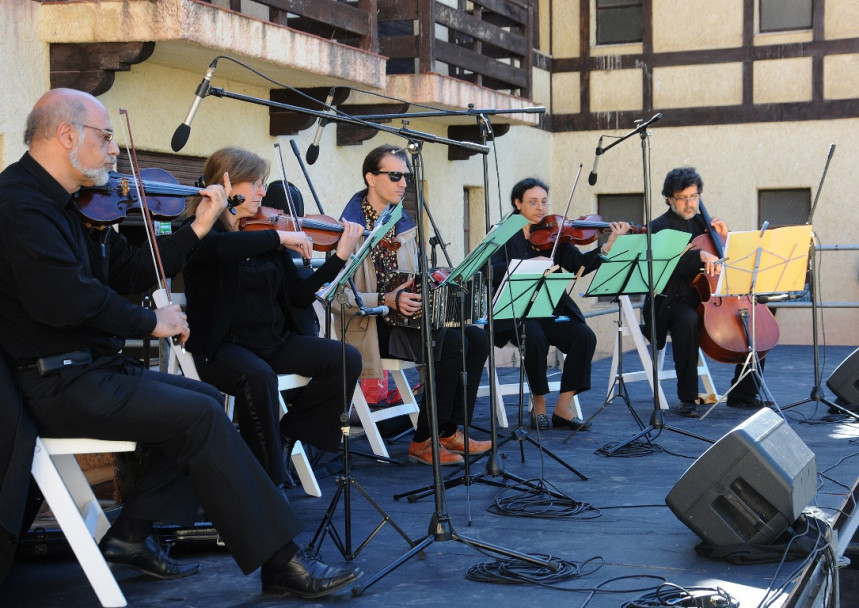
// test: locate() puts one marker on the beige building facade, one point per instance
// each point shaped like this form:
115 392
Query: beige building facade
753 112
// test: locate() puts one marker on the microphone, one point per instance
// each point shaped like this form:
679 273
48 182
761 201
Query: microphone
363 311
180 136
781 297
313 149
592 178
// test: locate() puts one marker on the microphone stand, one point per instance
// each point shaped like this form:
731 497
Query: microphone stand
440 526
816 391
494 468
346 482
657 419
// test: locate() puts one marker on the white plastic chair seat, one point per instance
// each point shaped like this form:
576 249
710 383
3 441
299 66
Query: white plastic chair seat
75 507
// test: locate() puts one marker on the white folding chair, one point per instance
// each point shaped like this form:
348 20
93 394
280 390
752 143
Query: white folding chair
369 418
513 389
75 507
630 327
180 360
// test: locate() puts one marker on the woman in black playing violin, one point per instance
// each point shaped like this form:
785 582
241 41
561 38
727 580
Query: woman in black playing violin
238 286
530 197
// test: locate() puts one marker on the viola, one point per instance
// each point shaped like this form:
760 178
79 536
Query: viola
582 231
722 331
324 230
111 202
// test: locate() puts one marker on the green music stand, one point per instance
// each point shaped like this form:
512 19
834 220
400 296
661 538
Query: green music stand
526 294
624 272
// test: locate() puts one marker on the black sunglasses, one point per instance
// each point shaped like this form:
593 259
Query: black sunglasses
396 176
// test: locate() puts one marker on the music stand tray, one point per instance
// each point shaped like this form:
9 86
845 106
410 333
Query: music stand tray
762 262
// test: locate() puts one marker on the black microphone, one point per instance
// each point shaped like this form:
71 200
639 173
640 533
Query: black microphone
592 178
313 149
180 136
382 310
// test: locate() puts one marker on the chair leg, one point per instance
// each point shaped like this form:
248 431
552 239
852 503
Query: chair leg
305 471
54 488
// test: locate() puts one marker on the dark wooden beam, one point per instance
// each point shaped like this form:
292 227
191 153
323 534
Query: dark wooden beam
287 122
91 67
471 133
350 135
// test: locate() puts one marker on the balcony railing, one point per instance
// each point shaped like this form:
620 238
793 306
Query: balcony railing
487 42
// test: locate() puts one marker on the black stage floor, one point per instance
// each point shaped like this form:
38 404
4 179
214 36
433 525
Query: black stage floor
629 532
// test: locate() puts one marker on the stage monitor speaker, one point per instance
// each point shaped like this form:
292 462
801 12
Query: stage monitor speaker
749 486
844 381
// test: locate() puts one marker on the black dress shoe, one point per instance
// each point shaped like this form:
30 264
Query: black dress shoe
689 409
574 424
307 577
147 557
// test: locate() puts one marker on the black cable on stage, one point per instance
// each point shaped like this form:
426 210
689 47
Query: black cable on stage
517 572
634 449
539 499
669 594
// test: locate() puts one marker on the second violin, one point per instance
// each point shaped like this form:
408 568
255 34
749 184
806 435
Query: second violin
582 231
324 230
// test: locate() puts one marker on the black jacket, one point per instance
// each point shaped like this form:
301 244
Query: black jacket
679 286
212 277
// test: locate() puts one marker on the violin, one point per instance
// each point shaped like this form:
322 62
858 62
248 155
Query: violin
723 332
324 230
111 202
582 231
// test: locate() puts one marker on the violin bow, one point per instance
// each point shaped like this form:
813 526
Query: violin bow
293 215
566 212
160 275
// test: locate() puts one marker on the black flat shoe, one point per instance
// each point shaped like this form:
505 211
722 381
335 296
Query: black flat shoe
307 577
146 556
574 424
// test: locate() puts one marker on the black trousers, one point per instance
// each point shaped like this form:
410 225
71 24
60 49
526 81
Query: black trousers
195 456
314 410
448 372
682 322
573 338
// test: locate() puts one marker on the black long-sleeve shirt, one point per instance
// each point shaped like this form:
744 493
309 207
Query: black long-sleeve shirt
61 289
212 277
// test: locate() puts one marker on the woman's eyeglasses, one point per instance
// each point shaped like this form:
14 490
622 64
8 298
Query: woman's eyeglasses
396 176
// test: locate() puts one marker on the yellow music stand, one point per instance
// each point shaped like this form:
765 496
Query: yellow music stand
762 262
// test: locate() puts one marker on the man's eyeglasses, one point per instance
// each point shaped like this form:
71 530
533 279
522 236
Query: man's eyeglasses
537 203
686 199
106 135
396 176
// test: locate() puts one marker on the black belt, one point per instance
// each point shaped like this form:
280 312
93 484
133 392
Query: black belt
46 365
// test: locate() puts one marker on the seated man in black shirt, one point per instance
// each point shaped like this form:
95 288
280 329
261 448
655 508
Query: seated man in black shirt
60 294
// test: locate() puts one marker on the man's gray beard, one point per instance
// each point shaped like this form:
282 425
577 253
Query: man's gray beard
681 216
99 177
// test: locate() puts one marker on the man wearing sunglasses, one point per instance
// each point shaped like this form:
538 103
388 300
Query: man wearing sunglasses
382 280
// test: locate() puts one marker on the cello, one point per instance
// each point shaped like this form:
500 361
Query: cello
725 330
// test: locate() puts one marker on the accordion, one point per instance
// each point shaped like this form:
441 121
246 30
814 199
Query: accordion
443 302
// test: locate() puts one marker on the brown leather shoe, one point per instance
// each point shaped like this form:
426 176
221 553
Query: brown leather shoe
421 452
456 443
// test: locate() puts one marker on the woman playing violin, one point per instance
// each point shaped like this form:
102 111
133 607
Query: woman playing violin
238 286
530 197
